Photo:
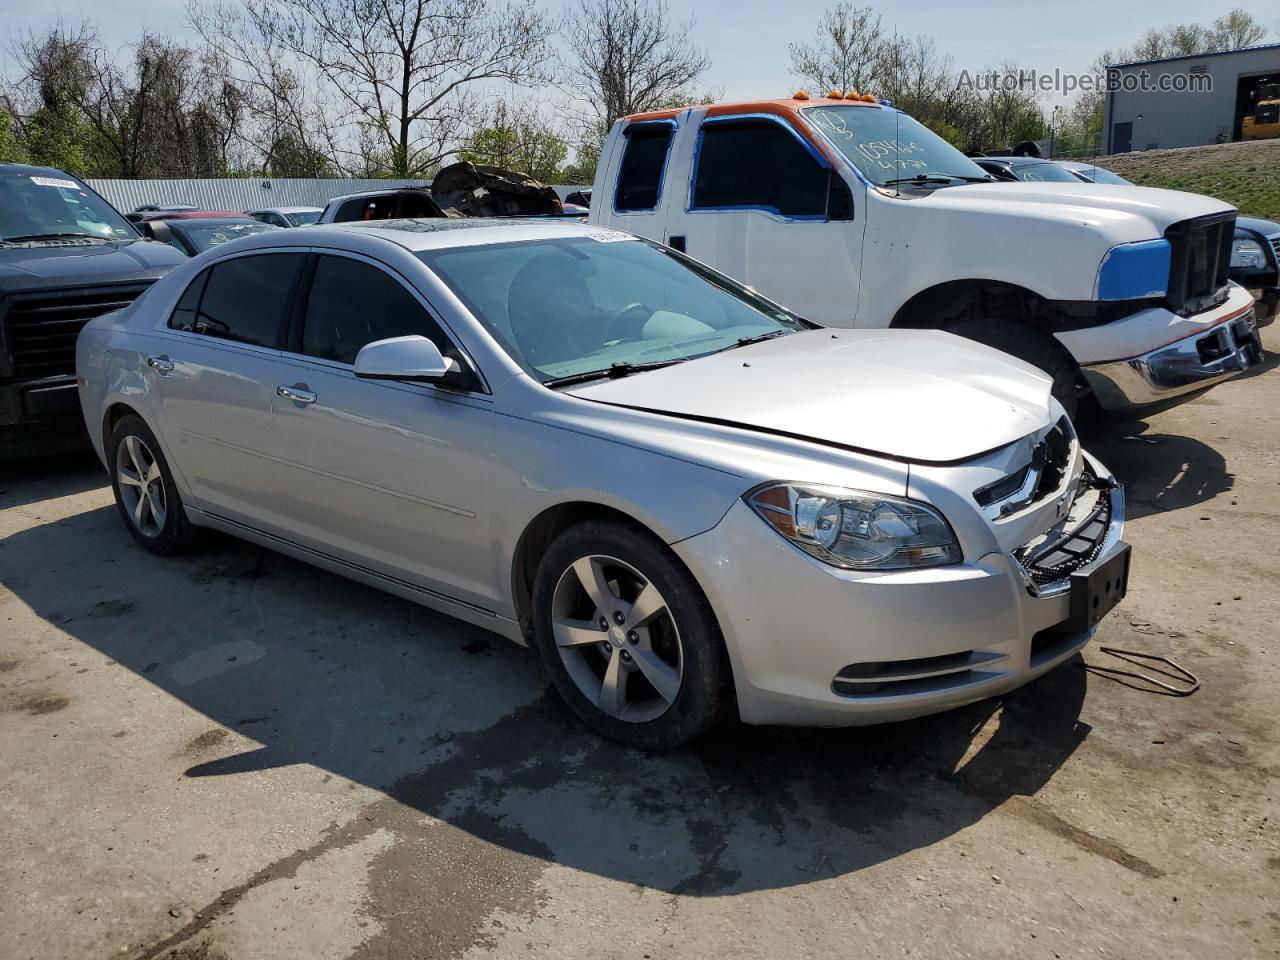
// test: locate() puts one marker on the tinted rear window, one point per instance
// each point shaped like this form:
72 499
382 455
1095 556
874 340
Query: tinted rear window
643 160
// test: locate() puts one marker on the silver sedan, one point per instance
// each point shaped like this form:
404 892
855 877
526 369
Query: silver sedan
690 501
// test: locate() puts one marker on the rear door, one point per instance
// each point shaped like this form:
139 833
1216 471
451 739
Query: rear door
389 475
765 206
214 371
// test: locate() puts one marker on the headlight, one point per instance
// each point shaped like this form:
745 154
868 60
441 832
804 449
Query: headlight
857 530
1247 253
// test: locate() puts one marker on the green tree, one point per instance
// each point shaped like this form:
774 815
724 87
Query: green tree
12 149
516 138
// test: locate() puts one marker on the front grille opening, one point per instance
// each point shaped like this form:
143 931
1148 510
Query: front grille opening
40 329
1044 474
1078 543
1052 643
1200 258
919 675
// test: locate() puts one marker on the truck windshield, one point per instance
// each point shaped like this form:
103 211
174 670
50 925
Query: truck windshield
888 146
580 307
52 204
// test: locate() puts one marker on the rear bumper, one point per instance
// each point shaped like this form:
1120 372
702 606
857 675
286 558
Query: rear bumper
1202 359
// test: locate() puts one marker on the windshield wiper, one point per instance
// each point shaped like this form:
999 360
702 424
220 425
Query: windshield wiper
759 338
53 236
936 178
614 371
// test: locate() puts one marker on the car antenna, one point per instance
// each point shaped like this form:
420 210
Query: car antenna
897 149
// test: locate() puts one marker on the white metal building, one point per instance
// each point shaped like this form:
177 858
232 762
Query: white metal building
1185 101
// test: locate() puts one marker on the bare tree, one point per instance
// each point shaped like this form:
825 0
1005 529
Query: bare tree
850 52
402 73
628 57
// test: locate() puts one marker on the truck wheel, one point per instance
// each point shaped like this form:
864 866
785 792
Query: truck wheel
145 493
628 637
1037 349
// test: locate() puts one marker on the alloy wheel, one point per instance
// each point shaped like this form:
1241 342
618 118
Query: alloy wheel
141 486
617 638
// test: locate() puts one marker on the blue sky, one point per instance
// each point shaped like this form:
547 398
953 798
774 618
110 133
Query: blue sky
747 39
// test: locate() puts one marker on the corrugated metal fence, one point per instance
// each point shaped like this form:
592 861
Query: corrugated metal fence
241 193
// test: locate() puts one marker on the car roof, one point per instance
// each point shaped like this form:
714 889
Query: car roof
31 170
287 209
431 234
780 106
1014 161
388 191
198 215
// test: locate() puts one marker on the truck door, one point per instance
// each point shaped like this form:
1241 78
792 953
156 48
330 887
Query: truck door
761 204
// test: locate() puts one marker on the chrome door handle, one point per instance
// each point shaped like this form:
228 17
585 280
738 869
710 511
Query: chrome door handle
296 394
161 363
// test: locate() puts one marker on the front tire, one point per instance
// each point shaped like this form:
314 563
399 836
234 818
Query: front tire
628 637
145 493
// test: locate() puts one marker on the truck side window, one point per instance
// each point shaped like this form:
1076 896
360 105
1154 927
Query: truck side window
758 164
643 159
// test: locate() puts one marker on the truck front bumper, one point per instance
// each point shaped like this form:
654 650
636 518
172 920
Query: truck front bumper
39 417
1165 357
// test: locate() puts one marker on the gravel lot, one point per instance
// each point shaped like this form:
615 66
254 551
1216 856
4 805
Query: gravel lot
233 755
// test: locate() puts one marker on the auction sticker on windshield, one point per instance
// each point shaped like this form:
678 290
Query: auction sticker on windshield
55 182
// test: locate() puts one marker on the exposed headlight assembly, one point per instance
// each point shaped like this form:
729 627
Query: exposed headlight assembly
855 529
1247 253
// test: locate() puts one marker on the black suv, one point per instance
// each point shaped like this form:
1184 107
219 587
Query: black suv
65 257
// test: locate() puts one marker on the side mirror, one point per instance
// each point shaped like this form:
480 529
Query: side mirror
403 358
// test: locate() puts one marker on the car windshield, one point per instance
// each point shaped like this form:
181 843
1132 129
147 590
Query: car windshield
203 236
886 145
54 205
1043 173
303 217
1098 175
603 304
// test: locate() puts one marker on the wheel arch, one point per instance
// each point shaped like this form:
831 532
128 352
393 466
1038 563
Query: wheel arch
537 536
952 301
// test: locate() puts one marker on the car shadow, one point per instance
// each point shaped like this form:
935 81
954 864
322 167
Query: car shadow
45 478
1161 472
459 724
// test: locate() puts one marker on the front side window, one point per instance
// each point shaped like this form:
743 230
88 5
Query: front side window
353 303
643 159
300 218
888 146
245 298
577 305
758 164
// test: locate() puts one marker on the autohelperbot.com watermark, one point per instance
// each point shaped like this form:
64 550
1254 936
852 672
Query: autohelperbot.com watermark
1065 83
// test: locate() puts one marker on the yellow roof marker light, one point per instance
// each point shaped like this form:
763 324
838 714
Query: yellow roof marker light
800 95
835 95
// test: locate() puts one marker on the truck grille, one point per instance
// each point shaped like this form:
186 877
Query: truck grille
40 329
1200 258
1275 248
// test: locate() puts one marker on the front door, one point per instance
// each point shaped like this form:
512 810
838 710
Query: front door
766 208
389 475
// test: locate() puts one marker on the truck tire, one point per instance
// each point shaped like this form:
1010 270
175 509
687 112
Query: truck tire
628 637
1038 349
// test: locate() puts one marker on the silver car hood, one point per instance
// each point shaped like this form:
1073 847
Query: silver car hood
917 395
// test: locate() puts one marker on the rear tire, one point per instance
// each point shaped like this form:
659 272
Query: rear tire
1038 349
628 637
146 495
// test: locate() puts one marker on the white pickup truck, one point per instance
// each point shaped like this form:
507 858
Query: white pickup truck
853 214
